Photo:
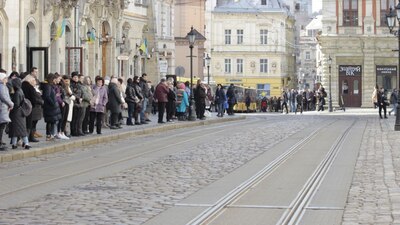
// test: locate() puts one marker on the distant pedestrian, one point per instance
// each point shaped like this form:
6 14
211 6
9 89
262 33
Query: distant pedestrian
220 99
285 100
382 102
231 98
98 105
161 97
114 103
375 96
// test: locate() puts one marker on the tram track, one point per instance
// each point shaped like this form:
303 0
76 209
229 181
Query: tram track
186 137
294 212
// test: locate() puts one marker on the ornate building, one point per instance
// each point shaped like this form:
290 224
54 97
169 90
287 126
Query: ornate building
356 37
93 37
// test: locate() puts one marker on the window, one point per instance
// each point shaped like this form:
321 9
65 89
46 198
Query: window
263 65
227 37
263 37
385 6
308 55
239 65
264 90
227 65
350 13
239 36
263 2
345 87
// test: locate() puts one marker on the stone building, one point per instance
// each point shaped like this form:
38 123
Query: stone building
252 45
93 37
188 14
357 39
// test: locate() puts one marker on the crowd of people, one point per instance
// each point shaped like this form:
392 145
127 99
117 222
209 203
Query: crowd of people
295 101
75 106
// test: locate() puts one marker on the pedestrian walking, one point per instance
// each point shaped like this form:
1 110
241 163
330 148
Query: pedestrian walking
284 99
231 98
375 96
382 102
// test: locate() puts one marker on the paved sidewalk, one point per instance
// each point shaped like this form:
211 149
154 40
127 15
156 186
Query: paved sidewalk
48 147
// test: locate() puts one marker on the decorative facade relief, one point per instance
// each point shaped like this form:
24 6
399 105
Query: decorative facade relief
34 6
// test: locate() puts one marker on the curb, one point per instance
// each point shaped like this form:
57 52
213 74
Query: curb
58 147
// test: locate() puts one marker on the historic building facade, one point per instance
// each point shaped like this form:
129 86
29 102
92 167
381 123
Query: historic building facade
355 36
252 44
93 37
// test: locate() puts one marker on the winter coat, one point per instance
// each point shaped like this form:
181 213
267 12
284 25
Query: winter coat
77 91
138 91
130 94
114 98
184 102
99 100
161 93
230 94
220 96
51 108
145 88
86 95
36 100
5 104
18 121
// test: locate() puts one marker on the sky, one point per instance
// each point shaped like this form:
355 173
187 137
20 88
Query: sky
317 5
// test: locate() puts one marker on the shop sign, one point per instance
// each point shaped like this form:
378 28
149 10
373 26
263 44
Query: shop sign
386 70
349 70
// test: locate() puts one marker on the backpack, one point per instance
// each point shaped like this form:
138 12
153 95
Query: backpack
26 107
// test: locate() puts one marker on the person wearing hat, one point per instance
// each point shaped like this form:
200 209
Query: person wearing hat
6 105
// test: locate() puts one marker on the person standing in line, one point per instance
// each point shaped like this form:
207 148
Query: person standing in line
382 102
292 100
200 100
77 90
18 120
35 97
171 106
161 97
67 110
139 95
59 134
146 95
284 98
231 98
86 98
114 103
220 99
182 102
299 99
51 107
97 105
393 100
130 99
6 105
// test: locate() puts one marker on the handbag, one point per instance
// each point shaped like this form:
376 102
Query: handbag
26 107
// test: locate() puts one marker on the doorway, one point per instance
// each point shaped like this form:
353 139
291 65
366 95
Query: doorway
38 57
350 90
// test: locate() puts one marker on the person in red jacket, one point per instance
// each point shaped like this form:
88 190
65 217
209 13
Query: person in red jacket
161 96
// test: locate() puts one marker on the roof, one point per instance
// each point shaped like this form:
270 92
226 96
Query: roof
198 35
249 6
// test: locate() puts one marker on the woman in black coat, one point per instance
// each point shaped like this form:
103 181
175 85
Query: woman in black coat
114 103
18 121
51 108
28 87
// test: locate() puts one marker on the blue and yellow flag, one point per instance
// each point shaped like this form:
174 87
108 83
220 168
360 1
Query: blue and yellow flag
92 37
143 47
61 29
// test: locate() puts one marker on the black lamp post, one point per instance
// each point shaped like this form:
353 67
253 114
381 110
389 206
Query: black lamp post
391 22
330 109
208 62
192 38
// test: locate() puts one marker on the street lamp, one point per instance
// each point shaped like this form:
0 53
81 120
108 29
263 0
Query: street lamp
330 109
192 38
391 22
208 62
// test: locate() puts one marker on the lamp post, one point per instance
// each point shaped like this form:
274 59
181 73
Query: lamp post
330 109
192 37
208 62
391 22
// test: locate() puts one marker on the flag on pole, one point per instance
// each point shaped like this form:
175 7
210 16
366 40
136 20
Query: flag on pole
143 47
92 37
61 29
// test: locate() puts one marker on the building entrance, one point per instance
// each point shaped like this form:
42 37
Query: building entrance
350 85
38 57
